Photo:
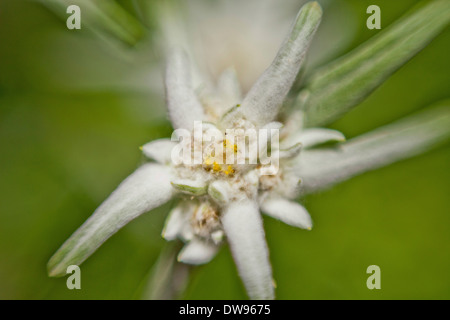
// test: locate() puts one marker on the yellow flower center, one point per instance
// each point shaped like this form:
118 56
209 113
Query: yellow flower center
210 162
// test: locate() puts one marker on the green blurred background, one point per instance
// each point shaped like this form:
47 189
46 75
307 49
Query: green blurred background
73 110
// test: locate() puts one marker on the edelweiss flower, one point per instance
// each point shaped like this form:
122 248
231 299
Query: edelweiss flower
221 202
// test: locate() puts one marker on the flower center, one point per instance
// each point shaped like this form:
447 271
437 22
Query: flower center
216 160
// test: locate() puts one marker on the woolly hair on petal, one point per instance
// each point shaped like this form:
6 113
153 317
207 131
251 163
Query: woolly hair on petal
244 230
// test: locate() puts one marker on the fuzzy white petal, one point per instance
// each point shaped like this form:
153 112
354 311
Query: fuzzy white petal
288 212
182 102
147 188
290 186
197 252
217 236
219 190
187 233
159 150
177 224
244 230
174 223
263 101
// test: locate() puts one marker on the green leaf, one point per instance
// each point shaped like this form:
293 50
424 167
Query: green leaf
168 278
195 188
102 17
338 87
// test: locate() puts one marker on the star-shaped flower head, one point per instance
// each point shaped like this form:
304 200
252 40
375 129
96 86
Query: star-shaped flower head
220 201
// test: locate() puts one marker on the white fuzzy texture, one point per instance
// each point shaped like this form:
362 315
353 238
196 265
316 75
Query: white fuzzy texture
197 252
147 188
159 150
219 190
174 223
244 230
288 212
182 102
314 136
263 101
287 186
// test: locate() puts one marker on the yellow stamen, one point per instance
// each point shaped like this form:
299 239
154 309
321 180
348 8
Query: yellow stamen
216 167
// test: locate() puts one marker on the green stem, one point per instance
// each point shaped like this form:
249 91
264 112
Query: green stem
168 278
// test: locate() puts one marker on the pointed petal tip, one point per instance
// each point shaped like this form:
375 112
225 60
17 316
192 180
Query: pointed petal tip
314 5
197 252
53 271
265 98
174 223
56 266
159 150
56 269
313 10
166 236
289 212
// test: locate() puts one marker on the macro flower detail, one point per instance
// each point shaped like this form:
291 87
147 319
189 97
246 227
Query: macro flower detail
220 202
